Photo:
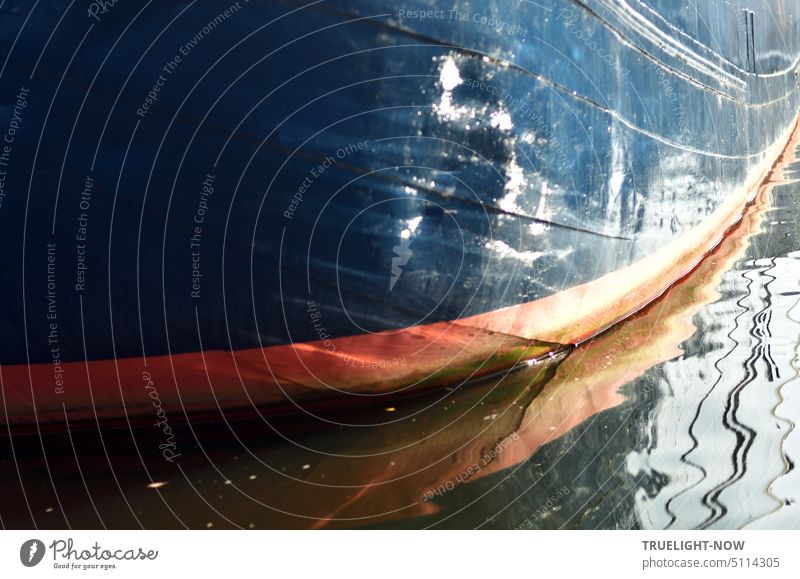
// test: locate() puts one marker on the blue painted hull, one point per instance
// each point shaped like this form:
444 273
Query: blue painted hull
186 177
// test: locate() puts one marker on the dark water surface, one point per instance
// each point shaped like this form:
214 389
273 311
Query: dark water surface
681 417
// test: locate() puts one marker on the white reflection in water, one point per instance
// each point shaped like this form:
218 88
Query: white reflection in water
723 431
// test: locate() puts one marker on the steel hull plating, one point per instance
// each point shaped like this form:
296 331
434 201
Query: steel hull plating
271 203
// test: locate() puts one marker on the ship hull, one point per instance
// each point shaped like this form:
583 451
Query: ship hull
268 205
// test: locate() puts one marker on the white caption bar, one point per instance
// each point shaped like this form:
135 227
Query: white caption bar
355 554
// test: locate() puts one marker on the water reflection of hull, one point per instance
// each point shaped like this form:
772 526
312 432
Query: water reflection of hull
447 200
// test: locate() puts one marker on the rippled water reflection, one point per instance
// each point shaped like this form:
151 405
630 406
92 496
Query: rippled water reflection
680 417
